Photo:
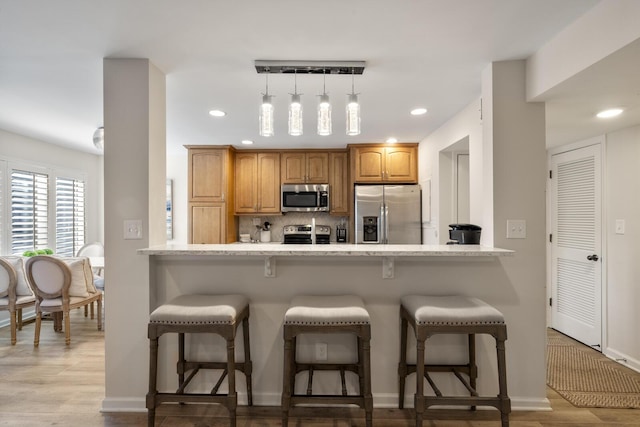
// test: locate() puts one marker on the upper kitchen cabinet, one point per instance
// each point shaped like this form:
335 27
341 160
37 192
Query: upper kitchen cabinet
209 172
210 192
379 163
339 183
304 167
257 183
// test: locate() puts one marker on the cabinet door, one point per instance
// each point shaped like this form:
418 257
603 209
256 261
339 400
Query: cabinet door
400 164
317 166
369 164
208 175
207 223
339 183
293 168
268 182
246 183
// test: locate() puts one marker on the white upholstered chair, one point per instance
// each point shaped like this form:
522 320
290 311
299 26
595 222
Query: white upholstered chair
15 294
60 286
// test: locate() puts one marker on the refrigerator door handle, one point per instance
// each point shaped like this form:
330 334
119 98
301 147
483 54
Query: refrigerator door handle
386 224
382 222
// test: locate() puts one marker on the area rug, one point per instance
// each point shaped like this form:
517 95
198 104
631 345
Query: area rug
588 379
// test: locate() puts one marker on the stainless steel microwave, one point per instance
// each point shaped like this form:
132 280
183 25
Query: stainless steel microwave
305 198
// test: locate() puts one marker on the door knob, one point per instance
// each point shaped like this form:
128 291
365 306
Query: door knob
593 257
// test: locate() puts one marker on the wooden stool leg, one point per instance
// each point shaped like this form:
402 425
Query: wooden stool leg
19 314
231 369
248 367
402 366
419 397
505 402
368 397
287 380
153 368
181 362
473 369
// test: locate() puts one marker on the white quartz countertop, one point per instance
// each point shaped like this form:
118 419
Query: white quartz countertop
279 249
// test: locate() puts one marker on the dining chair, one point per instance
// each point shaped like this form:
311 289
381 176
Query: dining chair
60 286
15 294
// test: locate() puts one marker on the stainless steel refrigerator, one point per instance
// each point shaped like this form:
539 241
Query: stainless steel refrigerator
388 214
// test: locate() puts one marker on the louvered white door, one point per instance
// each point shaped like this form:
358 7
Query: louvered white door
576 276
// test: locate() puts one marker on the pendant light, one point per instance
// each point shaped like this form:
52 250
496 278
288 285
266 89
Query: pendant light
266 113
295 110
353 111
324 110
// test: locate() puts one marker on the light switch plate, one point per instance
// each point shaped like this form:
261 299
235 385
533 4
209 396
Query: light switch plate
516 229
132 229
620 225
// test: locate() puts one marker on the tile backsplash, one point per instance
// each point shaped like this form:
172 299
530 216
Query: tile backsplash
290 218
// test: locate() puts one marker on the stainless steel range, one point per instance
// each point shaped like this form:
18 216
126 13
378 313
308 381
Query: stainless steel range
301 234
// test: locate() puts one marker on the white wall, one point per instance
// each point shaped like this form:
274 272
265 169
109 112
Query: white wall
622 201
465 125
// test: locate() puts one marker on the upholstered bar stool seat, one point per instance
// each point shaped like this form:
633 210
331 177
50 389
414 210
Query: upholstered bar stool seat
214 314
338 314
431 315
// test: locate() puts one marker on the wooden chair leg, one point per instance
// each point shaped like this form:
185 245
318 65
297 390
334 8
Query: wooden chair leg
368 397
419 397
12 316
153 368
67 328
99 304
286 383
36 336
231 381
19 315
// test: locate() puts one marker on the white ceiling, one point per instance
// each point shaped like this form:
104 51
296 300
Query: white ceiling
419 53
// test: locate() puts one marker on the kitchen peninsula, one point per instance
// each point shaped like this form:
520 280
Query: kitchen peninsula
340 269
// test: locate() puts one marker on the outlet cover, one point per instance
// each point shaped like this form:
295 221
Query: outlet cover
620 226
132 229
516 229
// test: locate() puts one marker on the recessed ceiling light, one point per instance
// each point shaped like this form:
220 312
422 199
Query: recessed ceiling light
217 113
418 111
606 114
392 140
247 142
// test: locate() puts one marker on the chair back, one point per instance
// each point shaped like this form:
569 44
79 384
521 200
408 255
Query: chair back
8 280
49 277
91 249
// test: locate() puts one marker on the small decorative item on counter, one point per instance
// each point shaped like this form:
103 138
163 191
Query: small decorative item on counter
266 226
245 238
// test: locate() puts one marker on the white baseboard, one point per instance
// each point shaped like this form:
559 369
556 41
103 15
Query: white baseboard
623 359
273 399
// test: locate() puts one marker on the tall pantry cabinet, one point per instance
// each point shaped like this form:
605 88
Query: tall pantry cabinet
211 194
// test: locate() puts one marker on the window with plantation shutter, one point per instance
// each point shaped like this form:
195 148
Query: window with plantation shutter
29 210
70 216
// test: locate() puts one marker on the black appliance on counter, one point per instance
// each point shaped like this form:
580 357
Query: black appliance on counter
464 234
341 233
301 234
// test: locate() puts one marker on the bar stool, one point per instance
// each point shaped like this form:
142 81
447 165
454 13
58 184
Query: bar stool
431 315
214 314
327 315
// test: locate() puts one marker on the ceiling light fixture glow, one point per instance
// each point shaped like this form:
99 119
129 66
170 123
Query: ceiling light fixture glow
266 113
295 110
607 114
324 111
247 142
418 111
353 111
392 140
217 113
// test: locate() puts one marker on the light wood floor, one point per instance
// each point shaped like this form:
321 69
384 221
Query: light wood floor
59 385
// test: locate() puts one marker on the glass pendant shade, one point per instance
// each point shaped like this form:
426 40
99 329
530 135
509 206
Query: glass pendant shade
353 115
295 115
266 116
324 115
98 138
